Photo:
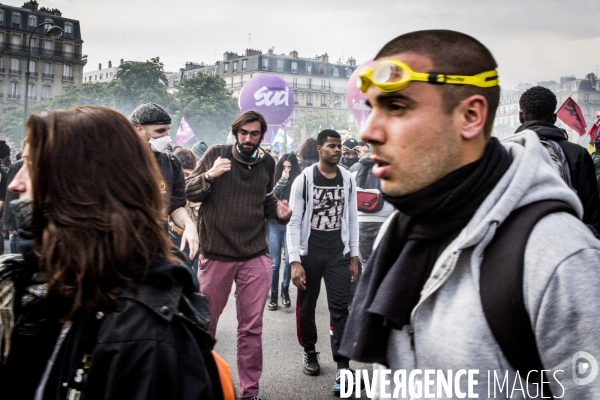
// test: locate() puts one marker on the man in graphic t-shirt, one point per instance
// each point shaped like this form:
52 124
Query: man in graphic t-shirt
322 240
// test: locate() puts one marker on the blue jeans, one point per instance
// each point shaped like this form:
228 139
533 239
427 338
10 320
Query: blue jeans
276 239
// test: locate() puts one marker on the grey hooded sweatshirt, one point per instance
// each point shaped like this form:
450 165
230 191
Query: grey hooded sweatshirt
561 287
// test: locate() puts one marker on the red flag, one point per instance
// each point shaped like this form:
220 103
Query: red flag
571 114
593 132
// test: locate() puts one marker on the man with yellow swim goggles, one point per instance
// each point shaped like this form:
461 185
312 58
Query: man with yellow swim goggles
393 75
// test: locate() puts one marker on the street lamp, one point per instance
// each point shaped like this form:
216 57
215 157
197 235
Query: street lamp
336 103
54 32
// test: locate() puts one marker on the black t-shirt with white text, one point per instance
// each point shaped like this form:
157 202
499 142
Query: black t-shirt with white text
328 211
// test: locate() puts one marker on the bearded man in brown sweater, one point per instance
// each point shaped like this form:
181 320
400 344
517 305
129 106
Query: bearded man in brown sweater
235 186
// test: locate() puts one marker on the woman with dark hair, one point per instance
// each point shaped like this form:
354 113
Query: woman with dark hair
133 323
286 171
308 153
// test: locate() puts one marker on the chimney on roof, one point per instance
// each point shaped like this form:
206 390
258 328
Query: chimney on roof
324 57
270 52
351 62
229 55
294 54
100 66
121 62
252 52
31 5
109 64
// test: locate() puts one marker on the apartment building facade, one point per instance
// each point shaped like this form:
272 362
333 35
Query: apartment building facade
55 64
318 84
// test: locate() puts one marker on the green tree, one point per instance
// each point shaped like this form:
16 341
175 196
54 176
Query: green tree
207 105
139 82
87 93
338 120
12 123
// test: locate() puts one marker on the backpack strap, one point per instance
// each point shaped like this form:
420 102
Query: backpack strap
269 163
501 287
226 151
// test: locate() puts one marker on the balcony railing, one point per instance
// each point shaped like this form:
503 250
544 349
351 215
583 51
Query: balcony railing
2 70
1 95
37 51
33 74
16 26
47 76
68 34
31 98
45 98
67 78
13 96
14 71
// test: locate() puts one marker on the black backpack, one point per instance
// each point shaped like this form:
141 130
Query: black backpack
501 287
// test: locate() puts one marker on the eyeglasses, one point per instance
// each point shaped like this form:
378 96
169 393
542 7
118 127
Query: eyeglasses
393 75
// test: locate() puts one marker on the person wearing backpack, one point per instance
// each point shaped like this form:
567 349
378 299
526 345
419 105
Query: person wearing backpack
422 304
235 185
537 106
132 323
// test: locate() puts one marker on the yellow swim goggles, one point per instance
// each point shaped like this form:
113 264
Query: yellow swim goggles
392 75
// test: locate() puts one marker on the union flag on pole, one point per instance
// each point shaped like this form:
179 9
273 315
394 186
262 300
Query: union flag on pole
571 114
593 132
184 133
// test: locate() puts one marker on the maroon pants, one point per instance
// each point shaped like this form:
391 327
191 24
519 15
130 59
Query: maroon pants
252 279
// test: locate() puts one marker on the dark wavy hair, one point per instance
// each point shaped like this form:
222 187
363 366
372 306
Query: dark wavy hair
98 215
294 172
187 157
308 150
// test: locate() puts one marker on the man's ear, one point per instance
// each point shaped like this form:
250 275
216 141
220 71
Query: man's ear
521 117
553 119
473 112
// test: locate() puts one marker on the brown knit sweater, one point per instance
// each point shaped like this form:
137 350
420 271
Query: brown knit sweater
234 207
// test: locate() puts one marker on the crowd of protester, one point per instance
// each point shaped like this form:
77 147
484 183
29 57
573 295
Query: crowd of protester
123 254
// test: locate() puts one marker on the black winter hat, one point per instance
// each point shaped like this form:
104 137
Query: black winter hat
150 114
350 143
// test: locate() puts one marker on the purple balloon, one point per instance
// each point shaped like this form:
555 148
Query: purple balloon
270 96
356 98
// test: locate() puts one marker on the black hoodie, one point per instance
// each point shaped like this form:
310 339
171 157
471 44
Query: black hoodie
581 166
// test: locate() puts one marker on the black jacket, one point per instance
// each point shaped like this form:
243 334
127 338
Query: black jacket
10 223
364 175
174 180
155 345
581 166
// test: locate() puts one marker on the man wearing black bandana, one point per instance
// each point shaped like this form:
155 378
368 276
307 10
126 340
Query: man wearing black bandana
418 305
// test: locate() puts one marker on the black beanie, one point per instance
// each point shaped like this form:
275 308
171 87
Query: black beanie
150 114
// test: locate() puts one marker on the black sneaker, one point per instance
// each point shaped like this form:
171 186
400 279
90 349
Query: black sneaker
285 298
273 302
310 363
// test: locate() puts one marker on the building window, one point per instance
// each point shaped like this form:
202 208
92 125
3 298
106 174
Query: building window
323 101
101 75
294 115
225 68
48 23
294 67
231 84
46 93
31 91
68 30
15 39
14 90
1 17
68 72
32 67
1 64
280 65
234 67
294 82
33 43
244 64
265 63
1 37
309 83
16 20
14 66
48 70
348 72
586 98
308 68
31 22
321 69
309 99
323 84
335 72
48 48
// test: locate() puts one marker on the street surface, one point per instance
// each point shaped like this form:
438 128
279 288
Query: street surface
282 377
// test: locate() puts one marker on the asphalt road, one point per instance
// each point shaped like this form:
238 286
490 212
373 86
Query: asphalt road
282 376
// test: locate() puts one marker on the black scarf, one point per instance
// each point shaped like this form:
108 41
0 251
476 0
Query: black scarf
397 270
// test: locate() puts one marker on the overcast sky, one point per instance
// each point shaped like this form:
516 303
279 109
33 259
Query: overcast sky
531 40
